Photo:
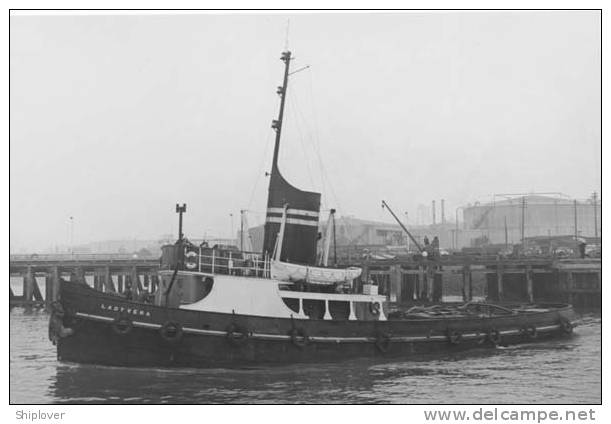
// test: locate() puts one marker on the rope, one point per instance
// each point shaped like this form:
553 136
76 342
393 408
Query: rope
324 176
259 169
292 98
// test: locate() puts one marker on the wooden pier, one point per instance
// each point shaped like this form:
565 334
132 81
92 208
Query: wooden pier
575 281
124 274
405 281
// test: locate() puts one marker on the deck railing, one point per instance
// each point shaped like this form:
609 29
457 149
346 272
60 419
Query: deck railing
77 257
245 264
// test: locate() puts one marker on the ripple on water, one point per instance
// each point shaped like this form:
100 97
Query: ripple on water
562 371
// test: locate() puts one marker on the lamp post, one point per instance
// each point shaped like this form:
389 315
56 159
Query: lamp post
242 230
523 223
407 225
594 201
575 216
72 236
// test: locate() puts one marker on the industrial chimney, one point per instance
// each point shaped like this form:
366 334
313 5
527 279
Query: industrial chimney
443 211
433 209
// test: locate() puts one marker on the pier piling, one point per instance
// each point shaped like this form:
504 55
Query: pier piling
120 283
51 268
408 280
28 285
529 284
499 280
109 285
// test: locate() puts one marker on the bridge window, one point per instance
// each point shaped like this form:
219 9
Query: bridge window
293 304
186 289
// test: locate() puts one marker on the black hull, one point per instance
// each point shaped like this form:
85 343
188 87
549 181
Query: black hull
227 340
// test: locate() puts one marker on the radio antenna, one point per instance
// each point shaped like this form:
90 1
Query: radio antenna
286 39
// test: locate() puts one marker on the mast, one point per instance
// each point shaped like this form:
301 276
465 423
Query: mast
324 260
301 219
594 198
278 252
277 123
245 241
334 239
242 230
506 238
523 223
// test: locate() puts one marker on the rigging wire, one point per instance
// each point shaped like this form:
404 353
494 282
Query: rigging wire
323 172
259 216
259 168
316 132
325 207
295 110
313 142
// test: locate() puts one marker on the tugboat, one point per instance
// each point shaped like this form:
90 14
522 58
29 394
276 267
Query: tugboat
218 307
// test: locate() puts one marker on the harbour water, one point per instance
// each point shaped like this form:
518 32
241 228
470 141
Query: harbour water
562 371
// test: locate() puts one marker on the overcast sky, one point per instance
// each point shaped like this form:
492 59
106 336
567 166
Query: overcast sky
114 119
